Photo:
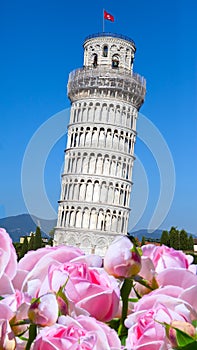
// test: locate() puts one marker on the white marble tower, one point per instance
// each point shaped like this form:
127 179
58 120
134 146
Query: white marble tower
105 99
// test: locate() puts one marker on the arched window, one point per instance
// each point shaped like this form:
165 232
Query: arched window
105 51
115 61
95 60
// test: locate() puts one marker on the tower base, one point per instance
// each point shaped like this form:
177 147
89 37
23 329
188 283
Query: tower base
90 242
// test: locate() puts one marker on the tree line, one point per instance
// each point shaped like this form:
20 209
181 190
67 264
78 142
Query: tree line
176 239
179 240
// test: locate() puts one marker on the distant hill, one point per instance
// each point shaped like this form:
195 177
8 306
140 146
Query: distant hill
24 224
144 232
147 234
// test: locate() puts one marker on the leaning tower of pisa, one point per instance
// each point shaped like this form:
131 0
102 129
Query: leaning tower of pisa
105 98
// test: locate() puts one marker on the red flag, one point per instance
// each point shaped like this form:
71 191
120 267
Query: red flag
108 16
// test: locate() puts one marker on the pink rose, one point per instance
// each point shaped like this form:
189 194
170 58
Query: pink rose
44 310
122 258
89 289
7 338
15 307
161 305
164 257
8 262
177 277
33 267
76 334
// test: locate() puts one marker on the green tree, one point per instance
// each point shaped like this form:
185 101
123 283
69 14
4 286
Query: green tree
183 240
37 238
24 248
165 238
31 242
143 242
174 238
191 243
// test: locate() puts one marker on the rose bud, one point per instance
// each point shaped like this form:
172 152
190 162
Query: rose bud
44 310
122 259
185 327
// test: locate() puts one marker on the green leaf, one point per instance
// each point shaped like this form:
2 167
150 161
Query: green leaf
183 338
133 300
191 346
114 323
194 322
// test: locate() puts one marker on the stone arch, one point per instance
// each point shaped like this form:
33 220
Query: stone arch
114 221
90 113
106 167
118 115
101 141
71 239
103 194
109 139
113 166
86 243
96 191
88 136
101 245
97 112
117 194
78 217
115 61
92 163
89 191
75 190
72 217
107 223
95 136
110 194
121 142
86 218
82 189
111 114
99 164
93 219
115 139
101 219
104 112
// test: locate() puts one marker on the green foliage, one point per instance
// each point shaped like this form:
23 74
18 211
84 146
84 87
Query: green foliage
174 238
165 238
24 248
31 242
17 247
191 243
37 239
183 240
143 241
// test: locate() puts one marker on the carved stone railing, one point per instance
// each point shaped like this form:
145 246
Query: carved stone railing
89 81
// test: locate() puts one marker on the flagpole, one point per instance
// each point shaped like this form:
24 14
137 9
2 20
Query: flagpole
103 22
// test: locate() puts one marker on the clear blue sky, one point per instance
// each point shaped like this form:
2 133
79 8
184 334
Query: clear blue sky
41 42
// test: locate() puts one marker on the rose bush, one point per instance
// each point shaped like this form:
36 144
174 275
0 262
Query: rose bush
59 298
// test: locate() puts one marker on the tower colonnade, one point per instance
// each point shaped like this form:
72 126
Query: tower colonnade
105 98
